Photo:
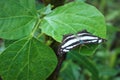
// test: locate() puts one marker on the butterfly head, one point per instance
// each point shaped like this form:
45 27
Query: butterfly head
81 41
100 40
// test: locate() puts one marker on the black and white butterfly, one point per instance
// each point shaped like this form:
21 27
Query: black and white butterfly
71 40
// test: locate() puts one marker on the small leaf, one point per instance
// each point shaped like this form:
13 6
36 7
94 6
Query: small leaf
46 10
17 18
70 71
86 63
72 18
27 59
88 49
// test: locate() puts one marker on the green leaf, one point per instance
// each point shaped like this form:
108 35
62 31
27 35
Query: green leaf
8 42
70 71
17 18
27 59
88 49
86 63
45 10
72 18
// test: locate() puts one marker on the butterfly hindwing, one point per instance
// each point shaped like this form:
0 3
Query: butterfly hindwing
67 43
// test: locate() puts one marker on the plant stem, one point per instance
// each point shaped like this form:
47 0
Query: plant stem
39 35
36 27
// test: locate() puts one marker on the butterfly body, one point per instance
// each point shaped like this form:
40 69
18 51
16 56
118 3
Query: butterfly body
73 40
81 42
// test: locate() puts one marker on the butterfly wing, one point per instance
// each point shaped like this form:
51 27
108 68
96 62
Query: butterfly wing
70 41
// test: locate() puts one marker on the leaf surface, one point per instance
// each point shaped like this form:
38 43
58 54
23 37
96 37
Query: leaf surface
72 18
17 18
27 59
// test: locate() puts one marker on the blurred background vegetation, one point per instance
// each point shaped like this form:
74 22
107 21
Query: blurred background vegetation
107 56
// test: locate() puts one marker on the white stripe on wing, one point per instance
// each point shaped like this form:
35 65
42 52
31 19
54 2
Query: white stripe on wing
87 38
69 42
72 36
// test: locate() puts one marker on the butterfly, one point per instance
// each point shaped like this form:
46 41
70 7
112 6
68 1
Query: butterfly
71 41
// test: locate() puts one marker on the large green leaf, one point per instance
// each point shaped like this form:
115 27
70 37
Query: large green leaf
27 59
72 18
17 18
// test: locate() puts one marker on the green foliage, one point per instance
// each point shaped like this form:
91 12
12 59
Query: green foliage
86 63
27 59
70 71
67 19
69 68
72 18
26 55
17 18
